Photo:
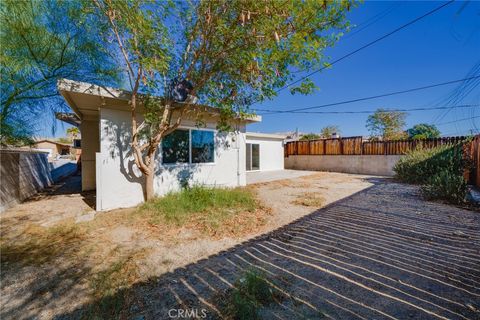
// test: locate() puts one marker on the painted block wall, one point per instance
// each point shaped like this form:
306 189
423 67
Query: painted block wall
271 153
381 165
120 184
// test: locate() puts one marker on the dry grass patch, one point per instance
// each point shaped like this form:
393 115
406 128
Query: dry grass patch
39 245
214 212
115 250
285 183
310 199
110 285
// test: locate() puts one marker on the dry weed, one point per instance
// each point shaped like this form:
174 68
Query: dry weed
310 199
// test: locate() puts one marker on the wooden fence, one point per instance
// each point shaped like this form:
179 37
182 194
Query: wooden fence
359 146
474 150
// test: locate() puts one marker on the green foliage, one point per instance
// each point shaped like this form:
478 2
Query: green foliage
257 46
306 87
386 124
215 205
310 136
423 131
439 170
234 53
43 41
328 131
446 185
73 132
419 165
251 292
65 140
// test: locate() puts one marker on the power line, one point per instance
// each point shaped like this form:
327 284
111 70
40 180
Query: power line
368 44
373 111
464 119
370 97
364 25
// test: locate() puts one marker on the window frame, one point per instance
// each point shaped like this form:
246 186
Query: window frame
190 163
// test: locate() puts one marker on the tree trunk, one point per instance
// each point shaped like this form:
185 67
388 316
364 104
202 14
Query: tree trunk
149 189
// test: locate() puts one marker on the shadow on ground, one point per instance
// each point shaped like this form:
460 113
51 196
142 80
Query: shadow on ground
69 185
382 253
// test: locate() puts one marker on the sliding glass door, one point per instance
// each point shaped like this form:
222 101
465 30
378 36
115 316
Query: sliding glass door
253 156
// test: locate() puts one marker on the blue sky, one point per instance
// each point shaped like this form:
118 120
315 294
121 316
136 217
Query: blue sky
442 47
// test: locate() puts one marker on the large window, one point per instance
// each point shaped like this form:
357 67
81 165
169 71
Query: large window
184 146
175 147
202 146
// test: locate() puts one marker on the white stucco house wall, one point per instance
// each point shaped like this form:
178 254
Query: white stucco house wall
190 155
264 152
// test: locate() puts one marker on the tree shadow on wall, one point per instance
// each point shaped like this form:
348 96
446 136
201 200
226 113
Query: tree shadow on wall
169 177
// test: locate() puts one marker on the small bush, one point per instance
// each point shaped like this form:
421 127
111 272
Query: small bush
439 170
419 165
251 292
446 185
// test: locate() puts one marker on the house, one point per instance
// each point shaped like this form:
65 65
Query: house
54 148
264 152
190 155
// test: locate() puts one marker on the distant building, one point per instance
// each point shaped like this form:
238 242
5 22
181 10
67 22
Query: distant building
54 148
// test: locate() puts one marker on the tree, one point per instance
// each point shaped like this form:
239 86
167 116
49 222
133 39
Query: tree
423 131
228 54
43 41
329 131
73 132
310 136
386 124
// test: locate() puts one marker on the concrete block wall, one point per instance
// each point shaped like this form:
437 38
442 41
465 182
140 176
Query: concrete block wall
379 165
22 174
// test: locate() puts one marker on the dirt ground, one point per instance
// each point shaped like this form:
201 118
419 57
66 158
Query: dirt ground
56 273
382 253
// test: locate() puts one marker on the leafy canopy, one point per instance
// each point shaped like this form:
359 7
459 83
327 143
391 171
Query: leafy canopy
233 52
43 41
423 131
310 136
386 124
329 131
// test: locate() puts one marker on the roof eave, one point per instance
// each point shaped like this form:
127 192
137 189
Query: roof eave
65 86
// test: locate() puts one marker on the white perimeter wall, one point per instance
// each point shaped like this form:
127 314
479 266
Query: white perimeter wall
271 153
380 165
120 184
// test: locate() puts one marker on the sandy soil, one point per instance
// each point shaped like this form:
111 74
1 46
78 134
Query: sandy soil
62 282
281 195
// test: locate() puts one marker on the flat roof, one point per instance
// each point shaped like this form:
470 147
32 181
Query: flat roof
86 99
265 135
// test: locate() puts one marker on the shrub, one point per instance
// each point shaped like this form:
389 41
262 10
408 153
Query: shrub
439 170
446 185
419 165
251 292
